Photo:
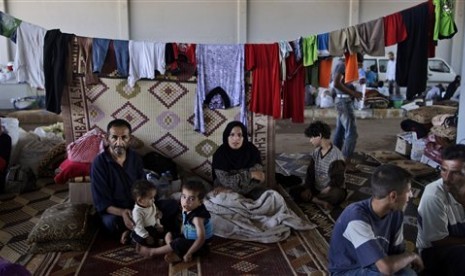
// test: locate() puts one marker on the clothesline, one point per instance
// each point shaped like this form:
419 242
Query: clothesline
266 61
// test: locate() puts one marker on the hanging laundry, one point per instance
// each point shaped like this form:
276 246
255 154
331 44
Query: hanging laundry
144 59
412 53
351 73
115 50
99 53
337 43
297 46
322 44
219 66
444 24
122 57
294 90
86 68
324 73
263 61
8 26
56 51
394 29
284 50
29 58
309 49
311 74
371 36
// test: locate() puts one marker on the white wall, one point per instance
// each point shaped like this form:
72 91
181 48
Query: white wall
211 21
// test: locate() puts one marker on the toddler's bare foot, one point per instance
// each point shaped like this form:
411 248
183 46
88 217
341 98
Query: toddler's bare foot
143 250
172 258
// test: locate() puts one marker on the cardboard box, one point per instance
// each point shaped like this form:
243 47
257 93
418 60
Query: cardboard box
404 142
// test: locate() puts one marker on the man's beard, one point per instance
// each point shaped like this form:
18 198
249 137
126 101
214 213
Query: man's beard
119 150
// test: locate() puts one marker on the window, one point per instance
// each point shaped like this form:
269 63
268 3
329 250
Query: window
383 65
438 66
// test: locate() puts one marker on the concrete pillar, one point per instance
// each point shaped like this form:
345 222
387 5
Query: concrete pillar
354 12
123 22
241 35
461 122
458 42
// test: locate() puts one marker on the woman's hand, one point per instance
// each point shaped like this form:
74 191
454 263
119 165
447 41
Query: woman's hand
220 189
258 175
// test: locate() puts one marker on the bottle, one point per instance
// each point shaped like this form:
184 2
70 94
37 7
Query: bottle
163 186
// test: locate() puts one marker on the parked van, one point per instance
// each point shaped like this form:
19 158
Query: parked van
438 69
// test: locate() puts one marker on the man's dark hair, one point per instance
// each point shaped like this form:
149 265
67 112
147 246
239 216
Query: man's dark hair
317 128
119 123
388 178
380 83
454 152
141 188
195 186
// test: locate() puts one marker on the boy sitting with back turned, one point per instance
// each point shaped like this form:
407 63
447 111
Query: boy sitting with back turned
196 230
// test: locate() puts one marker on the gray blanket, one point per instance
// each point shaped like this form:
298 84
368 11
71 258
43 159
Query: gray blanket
266 220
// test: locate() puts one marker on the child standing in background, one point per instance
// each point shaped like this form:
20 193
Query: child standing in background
196 231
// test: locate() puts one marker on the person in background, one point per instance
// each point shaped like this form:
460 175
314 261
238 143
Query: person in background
325 179
367 238
394 89
434 93
345 136
451 88
371 76
382 89
112 174
148 228
5 152
441 217
237 164
197 228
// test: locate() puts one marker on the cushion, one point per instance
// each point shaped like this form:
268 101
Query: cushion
39 117
61 222
78 244
385 156
52 160
69 169
425 114
445 132
87 147
35 150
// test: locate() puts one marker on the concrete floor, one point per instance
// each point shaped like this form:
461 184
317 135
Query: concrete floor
373 134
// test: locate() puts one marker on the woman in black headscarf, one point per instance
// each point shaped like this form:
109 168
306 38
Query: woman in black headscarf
237 165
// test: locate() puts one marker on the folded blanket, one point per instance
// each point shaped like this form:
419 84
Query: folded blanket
266 220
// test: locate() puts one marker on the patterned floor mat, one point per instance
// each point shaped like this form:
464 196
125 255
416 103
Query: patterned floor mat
18 215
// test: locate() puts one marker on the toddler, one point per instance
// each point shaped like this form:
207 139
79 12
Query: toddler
196 232
145 214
